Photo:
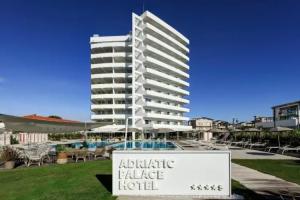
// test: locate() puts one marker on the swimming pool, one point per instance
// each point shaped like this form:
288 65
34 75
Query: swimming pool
146 144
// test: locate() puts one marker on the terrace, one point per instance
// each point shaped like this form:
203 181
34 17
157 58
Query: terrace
88 161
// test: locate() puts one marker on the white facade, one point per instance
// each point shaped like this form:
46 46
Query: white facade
141 76
4 135
29 138
285 115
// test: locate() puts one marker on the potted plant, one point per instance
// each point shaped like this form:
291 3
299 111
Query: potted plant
62 156
9 156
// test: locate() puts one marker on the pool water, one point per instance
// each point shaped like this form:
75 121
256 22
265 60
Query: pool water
78 145
146 145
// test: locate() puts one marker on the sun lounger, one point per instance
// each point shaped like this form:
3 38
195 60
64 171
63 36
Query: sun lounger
32 157
99 152
270 148
289 148
239 143
258 144
81 154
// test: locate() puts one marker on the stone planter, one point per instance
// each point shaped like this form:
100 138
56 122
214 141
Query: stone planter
9 164
62 158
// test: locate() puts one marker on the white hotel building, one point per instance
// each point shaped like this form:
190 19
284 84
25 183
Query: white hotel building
142 76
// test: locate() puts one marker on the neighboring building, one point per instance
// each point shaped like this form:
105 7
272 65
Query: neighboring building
220 124
244 125
201 123
263 122
284 115
4 135
141 76
287 115
35 128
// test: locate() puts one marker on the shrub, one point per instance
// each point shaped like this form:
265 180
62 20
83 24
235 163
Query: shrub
60 148
13 140
9 154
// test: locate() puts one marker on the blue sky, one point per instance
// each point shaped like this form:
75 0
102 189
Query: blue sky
244 55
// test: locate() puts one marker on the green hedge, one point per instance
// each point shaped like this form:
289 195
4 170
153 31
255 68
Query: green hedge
289 138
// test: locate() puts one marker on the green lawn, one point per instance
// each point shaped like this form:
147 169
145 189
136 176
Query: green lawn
286 169
71 181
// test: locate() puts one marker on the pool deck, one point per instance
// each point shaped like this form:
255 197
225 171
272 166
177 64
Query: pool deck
237 152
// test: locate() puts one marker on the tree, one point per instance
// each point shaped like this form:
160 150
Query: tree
54 116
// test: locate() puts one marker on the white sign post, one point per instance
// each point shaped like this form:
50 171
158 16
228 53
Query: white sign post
172 173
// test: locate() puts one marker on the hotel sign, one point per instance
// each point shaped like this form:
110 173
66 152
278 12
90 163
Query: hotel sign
189 173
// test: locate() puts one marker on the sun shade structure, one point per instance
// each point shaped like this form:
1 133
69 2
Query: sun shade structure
27 124
236 130
280 129
131 129
106 129
163 130
216 130
252 130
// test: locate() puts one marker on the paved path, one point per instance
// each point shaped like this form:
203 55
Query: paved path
254 154
261 183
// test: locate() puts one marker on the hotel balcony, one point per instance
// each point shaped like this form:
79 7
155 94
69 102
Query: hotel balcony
111 65
166 48
165 77
111 54
106 39
163 86
168 126
163 116
110 45
109 116
167 97
110 96
154 63
110 106
111 75
111 85
166 107
165 58
163 26
150 29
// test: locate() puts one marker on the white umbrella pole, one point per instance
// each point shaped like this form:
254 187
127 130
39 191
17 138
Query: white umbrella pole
126 129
